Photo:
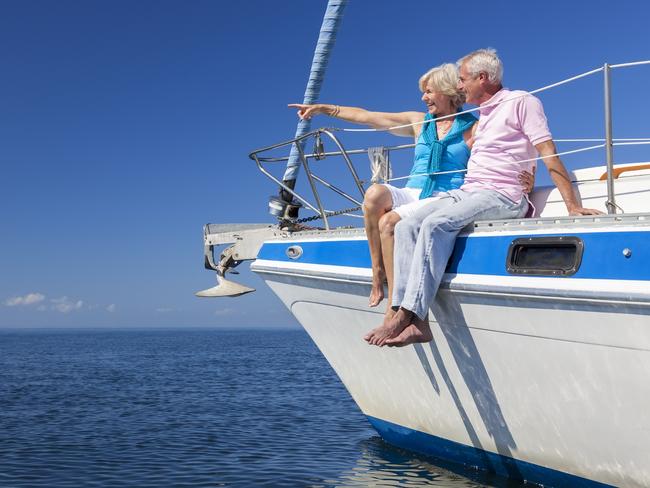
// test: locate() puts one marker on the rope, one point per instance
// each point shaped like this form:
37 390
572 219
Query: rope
509 162
625 65
631 143
538 90
627 142
379 164
603 140
547 87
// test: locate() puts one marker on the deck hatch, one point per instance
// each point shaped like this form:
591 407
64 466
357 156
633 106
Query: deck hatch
550 256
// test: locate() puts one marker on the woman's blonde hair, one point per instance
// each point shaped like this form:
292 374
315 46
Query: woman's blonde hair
444 79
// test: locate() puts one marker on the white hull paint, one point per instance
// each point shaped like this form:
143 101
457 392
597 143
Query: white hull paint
547 371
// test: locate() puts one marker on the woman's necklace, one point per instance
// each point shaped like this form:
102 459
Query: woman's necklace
443 126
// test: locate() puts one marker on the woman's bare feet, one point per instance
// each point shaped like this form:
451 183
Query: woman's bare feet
391 328
377 290
418 331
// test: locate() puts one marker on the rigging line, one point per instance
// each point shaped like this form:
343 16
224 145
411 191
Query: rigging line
631 143
603 140
625 65
538 90
503 164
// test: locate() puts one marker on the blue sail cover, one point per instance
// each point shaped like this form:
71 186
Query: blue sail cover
326 38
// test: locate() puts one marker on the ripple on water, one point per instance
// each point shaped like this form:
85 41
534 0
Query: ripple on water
189 408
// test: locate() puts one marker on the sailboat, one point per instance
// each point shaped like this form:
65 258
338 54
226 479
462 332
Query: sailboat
539 364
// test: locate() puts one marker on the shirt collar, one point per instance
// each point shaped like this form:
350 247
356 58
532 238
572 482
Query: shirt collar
486 107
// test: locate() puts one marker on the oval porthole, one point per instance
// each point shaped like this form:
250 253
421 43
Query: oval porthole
546 256
294 252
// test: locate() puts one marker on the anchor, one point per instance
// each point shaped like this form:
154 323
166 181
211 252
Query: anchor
224 287
245 240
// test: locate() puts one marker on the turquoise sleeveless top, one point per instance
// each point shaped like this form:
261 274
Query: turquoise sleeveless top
454 157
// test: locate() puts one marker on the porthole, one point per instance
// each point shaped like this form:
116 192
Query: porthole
546 256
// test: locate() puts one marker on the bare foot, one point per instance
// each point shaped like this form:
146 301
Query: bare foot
377 290
390 313
391 328
418 331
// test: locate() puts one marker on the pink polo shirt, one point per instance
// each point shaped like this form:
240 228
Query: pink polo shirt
505 133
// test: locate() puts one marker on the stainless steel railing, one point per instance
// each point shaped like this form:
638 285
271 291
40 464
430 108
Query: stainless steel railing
317 154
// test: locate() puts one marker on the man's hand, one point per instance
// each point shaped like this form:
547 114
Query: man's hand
584 211
527 180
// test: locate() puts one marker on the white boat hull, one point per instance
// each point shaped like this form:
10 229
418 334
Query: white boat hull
536 378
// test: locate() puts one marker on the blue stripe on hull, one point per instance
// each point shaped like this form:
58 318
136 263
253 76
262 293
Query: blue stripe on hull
470 456
337 253
602 259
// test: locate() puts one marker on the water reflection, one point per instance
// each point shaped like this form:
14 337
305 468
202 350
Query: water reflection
381 464
237 409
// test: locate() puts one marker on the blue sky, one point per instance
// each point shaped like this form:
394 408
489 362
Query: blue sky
125 126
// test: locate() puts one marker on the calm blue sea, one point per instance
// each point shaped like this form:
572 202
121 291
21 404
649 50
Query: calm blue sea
190 408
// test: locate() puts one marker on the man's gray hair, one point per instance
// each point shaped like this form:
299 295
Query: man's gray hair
485 60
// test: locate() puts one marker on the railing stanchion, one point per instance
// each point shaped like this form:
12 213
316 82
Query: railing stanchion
609 146
310 178
355 176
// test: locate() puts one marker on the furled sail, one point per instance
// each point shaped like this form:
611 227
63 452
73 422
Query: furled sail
326 39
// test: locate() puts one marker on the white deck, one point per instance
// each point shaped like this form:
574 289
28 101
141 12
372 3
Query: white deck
629 187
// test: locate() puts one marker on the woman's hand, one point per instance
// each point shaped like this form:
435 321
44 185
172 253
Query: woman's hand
527 180
306 112
358 115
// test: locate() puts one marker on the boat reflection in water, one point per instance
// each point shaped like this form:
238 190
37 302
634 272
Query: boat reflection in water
382 464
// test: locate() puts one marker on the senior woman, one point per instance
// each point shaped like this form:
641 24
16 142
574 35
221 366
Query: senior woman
441 145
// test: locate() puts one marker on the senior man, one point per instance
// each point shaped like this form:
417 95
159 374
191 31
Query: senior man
511 130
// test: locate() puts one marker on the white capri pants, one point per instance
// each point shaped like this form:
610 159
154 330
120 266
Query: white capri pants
406 201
